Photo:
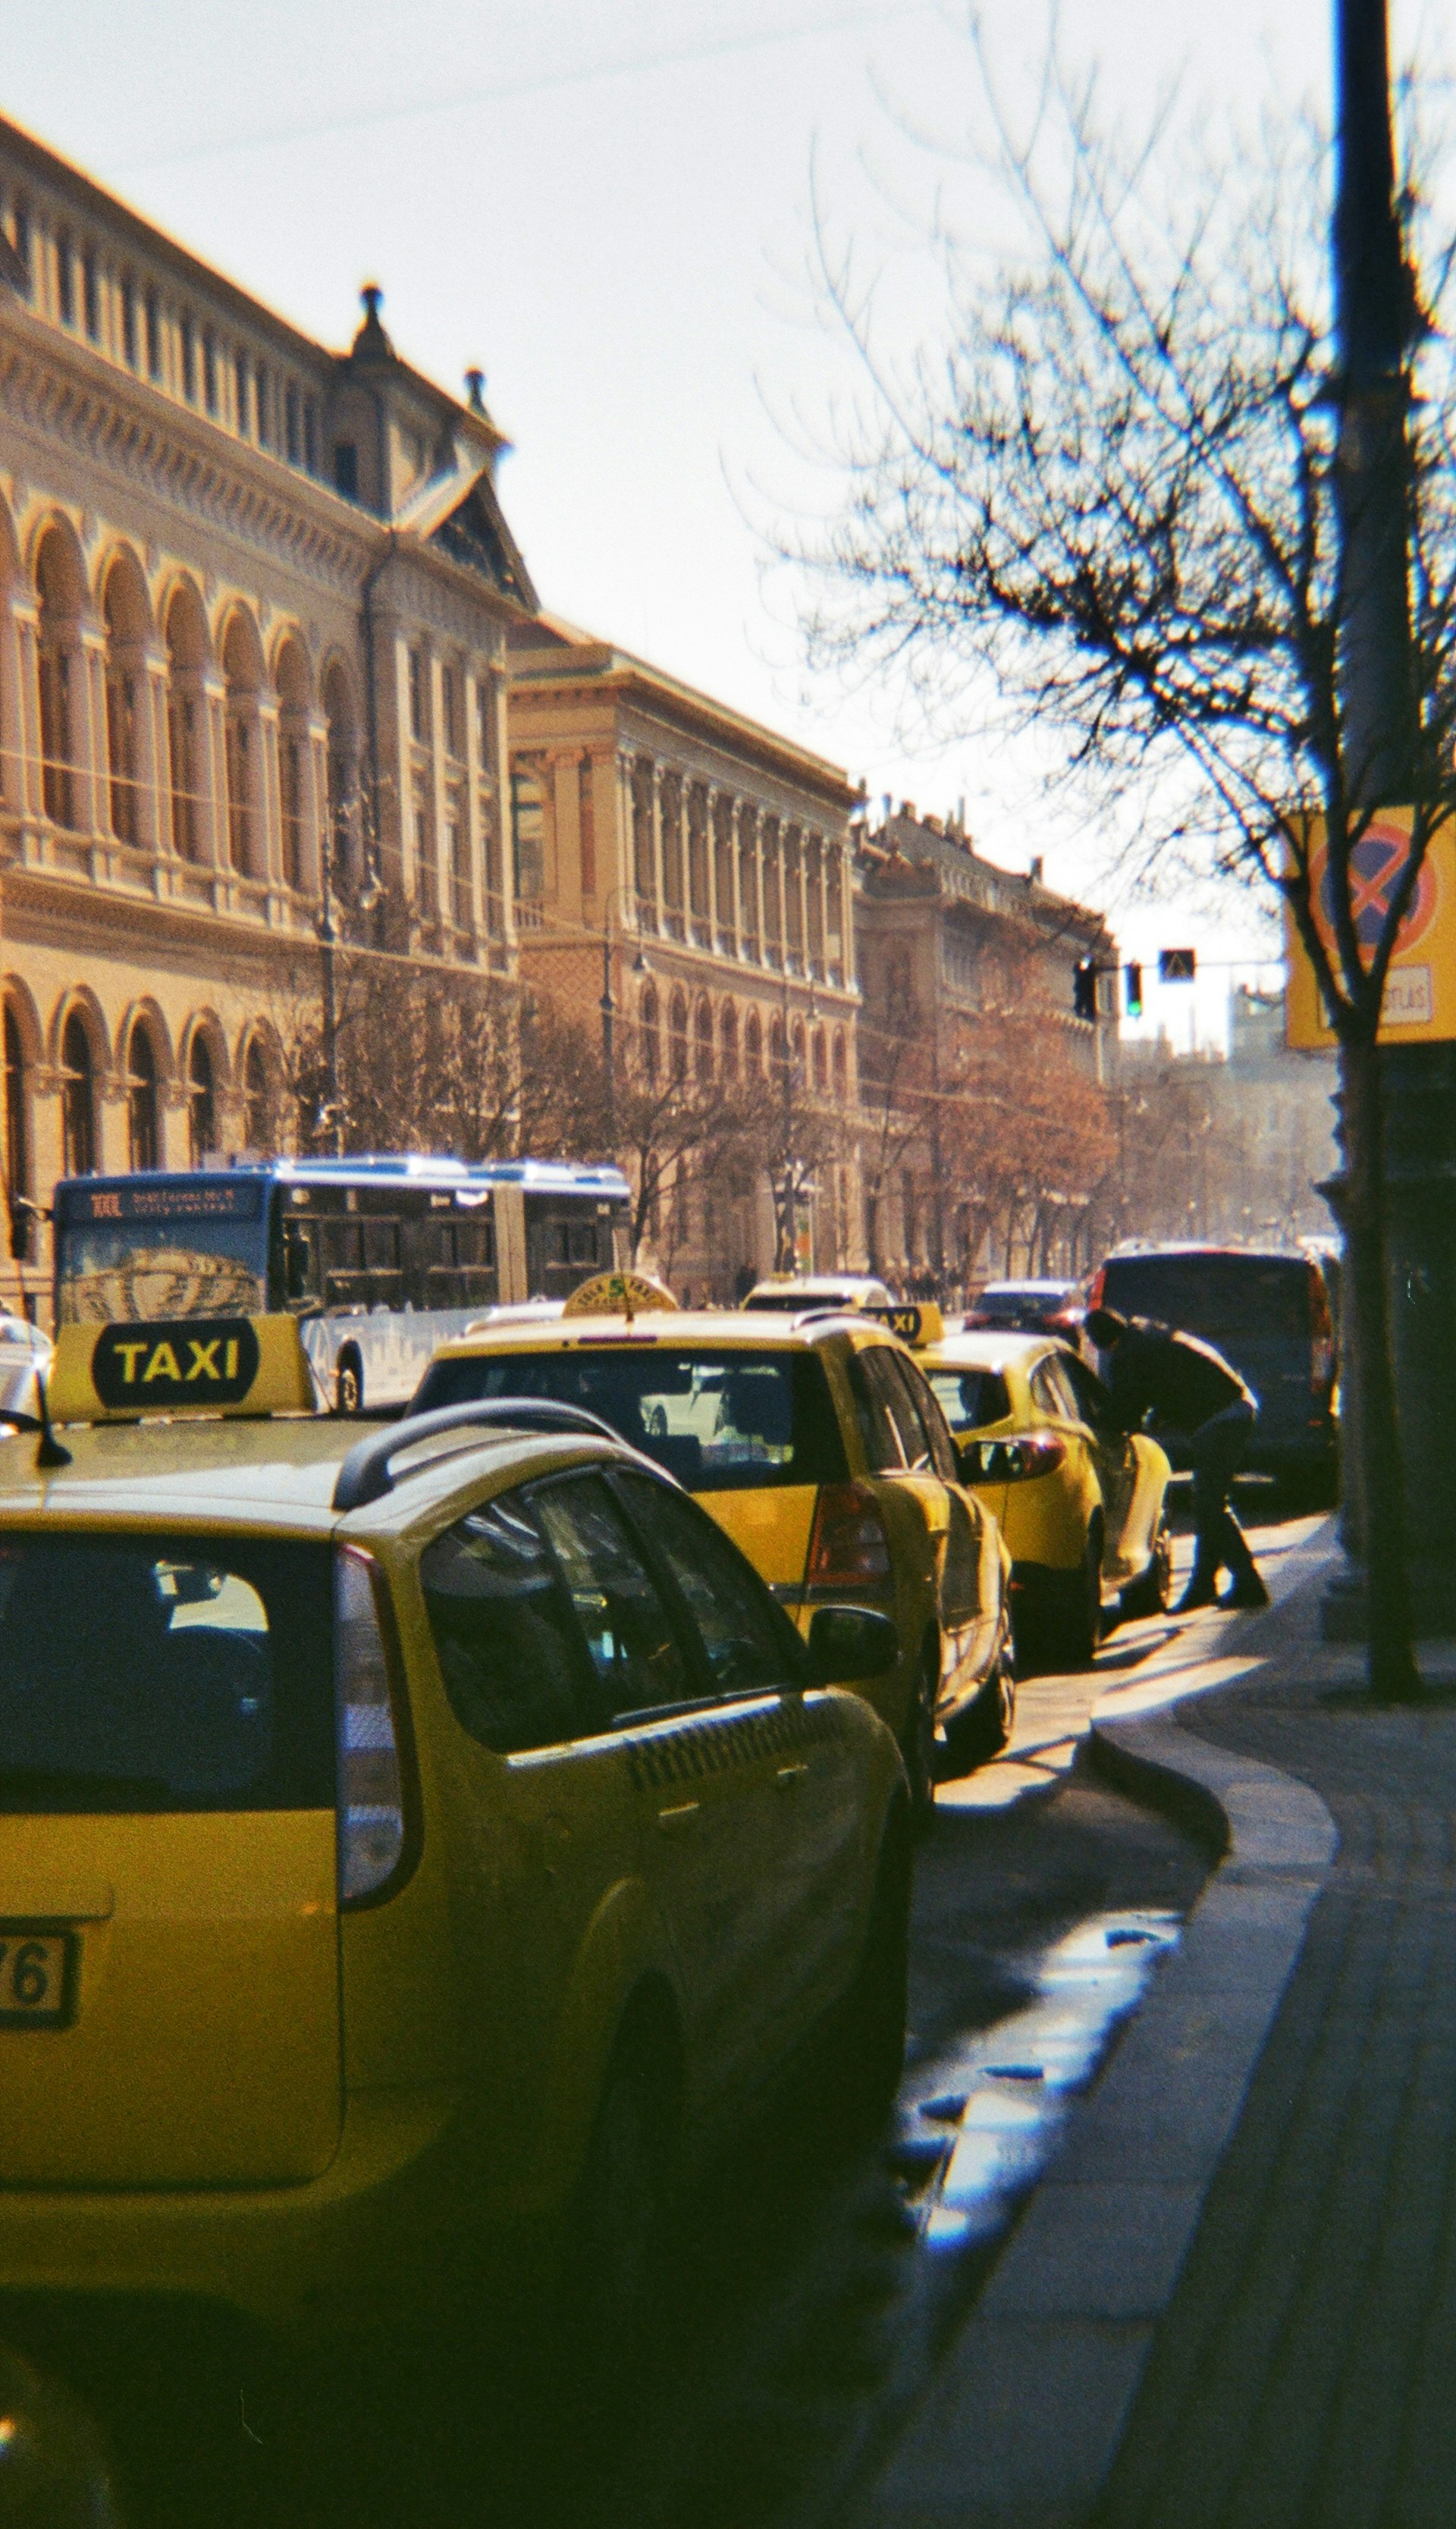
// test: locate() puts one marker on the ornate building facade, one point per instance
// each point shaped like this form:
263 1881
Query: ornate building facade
950 947
253 604
691 869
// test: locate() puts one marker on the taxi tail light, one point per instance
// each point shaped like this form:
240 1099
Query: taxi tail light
848 1547
371 1790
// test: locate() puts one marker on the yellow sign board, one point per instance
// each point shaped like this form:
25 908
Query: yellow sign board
180 1366
1420 998
618 1295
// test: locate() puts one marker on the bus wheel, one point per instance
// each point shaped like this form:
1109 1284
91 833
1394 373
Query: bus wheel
349 1384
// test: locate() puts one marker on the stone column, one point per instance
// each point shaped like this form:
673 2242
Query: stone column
735 863
269 790
90 807
710 854
152 822
623 871
20 706
209 771
659 889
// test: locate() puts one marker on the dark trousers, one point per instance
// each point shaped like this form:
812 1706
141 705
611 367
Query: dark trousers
1216 1450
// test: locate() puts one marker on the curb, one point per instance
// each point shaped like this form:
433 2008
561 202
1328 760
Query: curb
1021 2425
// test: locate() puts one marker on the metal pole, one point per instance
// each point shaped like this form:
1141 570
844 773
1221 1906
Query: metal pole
327 937
1416 1109
607 1008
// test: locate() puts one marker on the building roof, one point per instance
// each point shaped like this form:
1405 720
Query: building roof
550 654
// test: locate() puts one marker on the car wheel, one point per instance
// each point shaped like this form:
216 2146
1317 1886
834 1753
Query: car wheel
870 2046
984 1727
1148 1595
618 2233
918 1741
349 1385
1079 1629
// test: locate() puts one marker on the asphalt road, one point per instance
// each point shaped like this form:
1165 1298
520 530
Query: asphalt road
814 2282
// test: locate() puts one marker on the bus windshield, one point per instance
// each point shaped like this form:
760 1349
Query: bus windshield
163 1250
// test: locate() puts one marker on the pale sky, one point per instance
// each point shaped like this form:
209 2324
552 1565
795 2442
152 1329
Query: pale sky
606 207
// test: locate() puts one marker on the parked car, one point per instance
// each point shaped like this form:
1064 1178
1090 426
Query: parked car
1028 1307
1267 1311
1079 1502
415 1849
816 1444
792 1293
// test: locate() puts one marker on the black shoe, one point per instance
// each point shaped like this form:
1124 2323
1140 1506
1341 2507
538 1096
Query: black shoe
1200 1592
1248 1592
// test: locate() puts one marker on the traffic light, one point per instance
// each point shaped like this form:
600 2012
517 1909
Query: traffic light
1132 990
1084 990
1176 965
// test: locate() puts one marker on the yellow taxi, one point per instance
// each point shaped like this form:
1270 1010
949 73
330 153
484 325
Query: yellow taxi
1079 1500
412 1847
817 1445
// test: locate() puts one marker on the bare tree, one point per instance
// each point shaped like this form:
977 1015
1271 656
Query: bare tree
1121 485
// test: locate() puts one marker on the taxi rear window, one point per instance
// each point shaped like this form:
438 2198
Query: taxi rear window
720 1419
970 1397
167 1673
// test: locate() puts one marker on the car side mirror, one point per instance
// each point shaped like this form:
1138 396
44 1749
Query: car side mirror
846 1643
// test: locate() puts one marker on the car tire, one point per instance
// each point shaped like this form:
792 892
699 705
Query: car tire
1150 1593
1078 1632
870 2049
918 1742
984 1727
618 2231
349 1384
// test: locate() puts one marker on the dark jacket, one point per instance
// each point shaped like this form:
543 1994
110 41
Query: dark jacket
1178 1378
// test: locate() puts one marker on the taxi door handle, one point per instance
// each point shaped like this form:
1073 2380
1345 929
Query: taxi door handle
681 1820
789 1777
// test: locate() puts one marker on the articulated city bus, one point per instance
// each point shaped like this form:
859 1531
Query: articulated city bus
379 1259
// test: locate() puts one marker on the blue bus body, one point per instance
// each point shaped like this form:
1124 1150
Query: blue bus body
379 1259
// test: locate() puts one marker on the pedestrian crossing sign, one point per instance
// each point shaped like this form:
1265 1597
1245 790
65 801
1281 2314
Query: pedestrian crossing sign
1420 998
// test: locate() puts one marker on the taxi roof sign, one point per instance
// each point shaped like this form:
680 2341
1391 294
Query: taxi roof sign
618 1295
114 1373
915 1322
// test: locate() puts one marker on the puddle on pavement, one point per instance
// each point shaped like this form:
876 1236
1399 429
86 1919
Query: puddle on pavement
978 2122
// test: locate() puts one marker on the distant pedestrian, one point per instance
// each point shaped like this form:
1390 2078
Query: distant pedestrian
1193 1395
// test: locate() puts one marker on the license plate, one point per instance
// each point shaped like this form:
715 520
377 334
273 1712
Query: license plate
35 1978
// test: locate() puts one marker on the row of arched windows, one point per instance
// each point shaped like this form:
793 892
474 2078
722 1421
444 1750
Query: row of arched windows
199 784
711 1049
150 1081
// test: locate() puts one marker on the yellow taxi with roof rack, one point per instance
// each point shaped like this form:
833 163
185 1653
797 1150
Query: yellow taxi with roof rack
1081 1501
412 1847
816 1443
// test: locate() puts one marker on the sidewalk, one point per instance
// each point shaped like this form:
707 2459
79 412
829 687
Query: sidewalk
1232 2304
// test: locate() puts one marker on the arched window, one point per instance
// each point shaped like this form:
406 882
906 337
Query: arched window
122 606
143 1133
17 1139
651 1036
185 648
343 779
821 1060
201 1101
677 1038
841 1069
242 677
703 1032
257 1097
753 1046
56 583
729 1034
78 1099
293 756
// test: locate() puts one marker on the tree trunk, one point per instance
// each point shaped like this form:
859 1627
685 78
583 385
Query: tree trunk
1392 1670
